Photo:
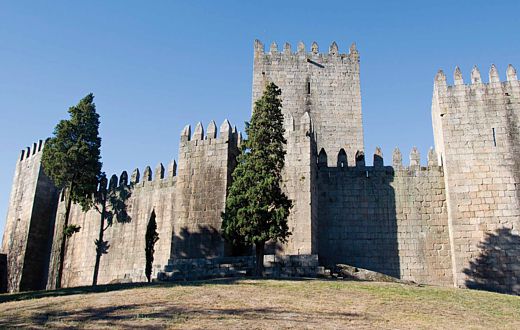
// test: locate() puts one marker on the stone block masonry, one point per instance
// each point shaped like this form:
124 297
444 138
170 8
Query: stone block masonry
187 199
125 257
477 135
205 166
453 222
390 219
326 86
30 218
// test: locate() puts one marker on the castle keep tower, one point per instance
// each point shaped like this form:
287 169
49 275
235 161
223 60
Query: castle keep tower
321 101
324 85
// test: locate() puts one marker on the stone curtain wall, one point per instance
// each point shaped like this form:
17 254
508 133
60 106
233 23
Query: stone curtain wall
477 134
324 85
29 219
390 219
187 207
125 257
206 162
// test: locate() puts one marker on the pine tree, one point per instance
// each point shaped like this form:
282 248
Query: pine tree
150 239
71 158
256 208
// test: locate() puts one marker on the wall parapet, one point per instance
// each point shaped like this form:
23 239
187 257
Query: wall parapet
286 54
226 133
378 162
476 88
149 177
30 151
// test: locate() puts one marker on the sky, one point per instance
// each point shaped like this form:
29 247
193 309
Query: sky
155 66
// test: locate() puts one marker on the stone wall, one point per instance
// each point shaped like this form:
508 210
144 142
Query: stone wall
298 183
125 257
390 219
276 266
477 135
187 199
326 86
29 222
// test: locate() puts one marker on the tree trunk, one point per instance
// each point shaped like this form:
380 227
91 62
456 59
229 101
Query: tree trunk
259 269
99 252
64 237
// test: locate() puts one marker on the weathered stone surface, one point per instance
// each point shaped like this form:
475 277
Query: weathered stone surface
27 234
389 220
477 137
326 85
454 221
187 207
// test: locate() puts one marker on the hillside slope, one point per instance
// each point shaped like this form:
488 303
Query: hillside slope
248 303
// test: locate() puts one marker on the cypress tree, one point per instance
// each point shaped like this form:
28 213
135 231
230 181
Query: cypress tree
256 208
71 158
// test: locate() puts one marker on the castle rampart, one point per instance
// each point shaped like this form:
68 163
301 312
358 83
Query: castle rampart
124 259
454 221
187 200
391 219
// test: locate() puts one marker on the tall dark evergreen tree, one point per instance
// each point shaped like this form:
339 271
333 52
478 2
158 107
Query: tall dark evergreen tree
72 160
256 208
151 238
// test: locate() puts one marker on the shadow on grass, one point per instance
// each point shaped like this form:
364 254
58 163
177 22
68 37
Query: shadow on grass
126 286
155 313
130 315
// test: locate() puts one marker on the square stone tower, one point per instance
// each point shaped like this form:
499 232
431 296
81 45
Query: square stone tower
326 86
29 224
321 102
476 129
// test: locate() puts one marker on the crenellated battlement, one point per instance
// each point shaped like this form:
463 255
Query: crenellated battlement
148 177
301 53
417 219
323 84
225 134
30 151
476 87
378 161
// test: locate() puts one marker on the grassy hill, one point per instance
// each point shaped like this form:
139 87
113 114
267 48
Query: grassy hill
258 304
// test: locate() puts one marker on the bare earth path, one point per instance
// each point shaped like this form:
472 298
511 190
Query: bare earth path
261 304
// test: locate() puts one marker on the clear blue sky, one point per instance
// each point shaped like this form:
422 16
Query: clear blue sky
155 66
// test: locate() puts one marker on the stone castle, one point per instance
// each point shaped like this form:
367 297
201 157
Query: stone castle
453 222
